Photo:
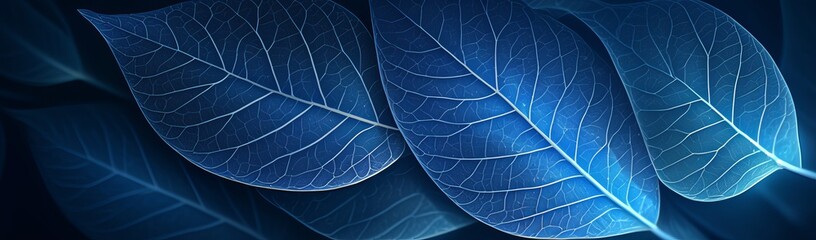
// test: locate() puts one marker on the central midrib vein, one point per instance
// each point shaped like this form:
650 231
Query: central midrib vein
589 177
780 163
334 110
731 124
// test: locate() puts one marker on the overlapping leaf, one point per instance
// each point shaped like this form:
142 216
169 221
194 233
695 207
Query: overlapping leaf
275 94
400 203
515 118
714 109
113 182
37 47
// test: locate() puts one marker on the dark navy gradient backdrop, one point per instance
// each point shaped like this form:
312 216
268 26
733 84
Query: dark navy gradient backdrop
782 206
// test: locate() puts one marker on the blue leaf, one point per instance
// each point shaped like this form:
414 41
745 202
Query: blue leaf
115 183
515 118
275 94
37 47
672 220
715 112
400 203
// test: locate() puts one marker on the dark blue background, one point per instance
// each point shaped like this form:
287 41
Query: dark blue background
784 205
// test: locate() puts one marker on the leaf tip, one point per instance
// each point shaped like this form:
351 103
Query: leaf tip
88 14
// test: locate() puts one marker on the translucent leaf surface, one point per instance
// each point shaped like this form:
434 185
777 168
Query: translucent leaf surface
400 203
716 114
115 180
515 118
275 94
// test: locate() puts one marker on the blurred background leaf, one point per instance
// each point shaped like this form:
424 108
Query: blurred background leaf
115 179
38 48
